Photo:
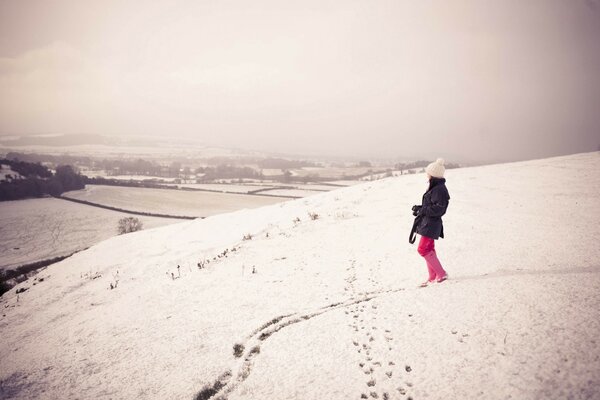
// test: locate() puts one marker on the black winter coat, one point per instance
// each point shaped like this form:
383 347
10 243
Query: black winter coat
434 205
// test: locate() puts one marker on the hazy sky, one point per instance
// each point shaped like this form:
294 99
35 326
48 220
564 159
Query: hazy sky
470 80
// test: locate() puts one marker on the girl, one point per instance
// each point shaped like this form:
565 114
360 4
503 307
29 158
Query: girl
434 205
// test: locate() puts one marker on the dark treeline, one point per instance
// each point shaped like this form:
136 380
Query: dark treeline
27 169
121 182
48 158
261 162
421 164
225 171
281 163
38 181
136 167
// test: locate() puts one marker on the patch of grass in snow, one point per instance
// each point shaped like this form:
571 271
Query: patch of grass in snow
264 335
209 391
271 322
255 350
238 350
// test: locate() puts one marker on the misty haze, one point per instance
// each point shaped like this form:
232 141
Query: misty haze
299 200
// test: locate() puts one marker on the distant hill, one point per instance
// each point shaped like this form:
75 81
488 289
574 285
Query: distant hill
58 140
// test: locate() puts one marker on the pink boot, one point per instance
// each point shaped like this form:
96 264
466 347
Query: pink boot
434 264
427 251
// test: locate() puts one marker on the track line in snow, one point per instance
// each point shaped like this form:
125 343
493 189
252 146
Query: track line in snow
227 382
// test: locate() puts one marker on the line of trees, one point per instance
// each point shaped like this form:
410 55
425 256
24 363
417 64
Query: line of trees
226 171
281 163
48 159
421 164
38 181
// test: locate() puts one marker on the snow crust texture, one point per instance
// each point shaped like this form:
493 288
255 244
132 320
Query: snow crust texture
320 301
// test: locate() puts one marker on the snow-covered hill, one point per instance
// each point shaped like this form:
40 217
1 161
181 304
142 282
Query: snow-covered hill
328 308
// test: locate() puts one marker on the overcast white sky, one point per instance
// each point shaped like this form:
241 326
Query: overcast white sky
462 79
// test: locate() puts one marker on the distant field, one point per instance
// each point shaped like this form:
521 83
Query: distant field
291 192
38 229
224 187
345 182
168 201
299 190
331 172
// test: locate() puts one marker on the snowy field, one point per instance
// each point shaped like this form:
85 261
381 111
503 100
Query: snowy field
245 188
103 174
291 192
39 229
169 202
224 187
332 310
344 182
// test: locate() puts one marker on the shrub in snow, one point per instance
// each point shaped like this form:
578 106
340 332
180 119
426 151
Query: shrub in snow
91 276
129 224
113 285
313 216
247 236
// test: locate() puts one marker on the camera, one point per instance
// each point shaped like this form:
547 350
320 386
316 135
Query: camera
416 209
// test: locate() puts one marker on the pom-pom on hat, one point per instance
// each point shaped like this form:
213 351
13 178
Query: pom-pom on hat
436 168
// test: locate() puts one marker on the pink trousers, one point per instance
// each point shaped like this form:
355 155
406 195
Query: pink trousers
427 251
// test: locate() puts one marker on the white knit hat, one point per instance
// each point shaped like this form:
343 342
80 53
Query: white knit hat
436 169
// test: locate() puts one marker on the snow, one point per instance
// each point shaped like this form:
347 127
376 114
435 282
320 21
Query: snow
291 192
38 229
168 201
223 187
302 189
141 178
331 299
